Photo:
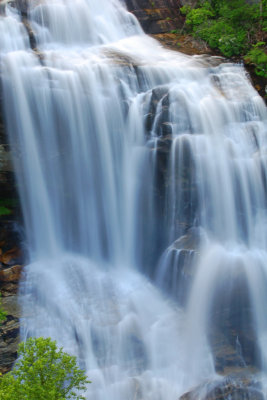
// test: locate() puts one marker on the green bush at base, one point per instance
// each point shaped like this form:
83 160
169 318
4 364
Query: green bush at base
43 372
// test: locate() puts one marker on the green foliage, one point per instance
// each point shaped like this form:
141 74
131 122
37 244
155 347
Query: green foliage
198 16
231 26
5 211
43 372
258 56
3 314
6 206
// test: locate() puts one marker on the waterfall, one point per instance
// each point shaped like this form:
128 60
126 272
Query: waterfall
142 174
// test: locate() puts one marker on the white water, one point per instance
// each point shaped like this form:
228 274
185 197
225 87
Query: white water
87 120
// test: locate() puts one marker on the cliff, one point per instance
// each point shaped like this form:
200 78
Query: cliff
158 18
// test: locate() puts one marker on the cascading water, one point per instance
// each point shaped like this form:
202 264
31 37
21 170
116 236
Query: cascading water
142 176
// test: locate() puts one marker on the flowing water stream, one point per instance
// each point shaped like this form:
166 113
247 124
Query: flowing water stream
142 174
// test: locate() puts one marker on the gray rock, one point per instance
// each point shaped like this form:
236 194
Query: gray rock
230 388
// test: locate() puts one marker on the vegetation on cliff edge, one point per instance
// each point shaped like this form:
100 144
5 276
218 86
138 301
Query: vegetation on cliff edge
234 27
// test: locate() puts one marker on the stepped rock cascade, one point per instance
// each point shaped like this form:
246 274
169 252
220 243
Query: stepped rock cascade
143 180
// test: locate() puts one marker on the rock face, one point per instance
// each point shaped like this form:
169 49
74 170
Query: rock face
11 258
158 16
9 333
11 254
230 388
7 180
163 19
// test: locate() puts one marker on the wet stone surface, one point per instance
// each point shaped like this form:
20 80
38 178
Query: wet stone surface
232 387
158 16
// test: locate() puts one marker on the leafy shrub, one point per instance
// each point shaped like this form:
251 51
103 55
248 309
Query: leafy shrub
198 16
231 26
258 56
43 372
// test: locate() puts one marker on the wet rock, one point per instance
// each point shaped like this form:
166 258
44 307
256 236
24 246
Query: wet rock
31 34
7 179
9 288
232 334
8 188
10 253
158 115
158 94
9 333
177 274
166 128
179 265
9 340
22 6
230 388
157 16
161 141
228 353
9 330
190 241
11 306
11 274
11 257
